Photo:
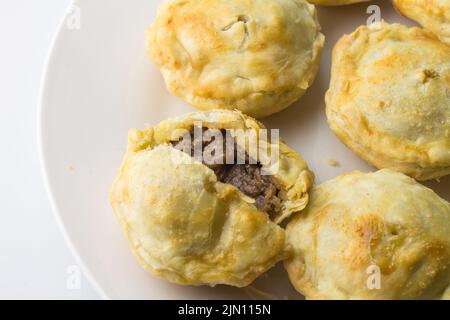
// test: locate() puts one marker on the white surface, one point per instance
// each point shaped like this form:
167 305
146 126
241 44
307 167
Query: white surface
33 256
100 83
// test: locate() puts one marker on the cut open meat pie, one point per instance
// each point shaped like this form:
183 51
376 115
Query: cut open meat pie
192 216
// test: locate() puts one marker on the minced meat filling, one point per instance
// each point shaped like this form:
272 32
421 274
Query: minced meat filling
246 177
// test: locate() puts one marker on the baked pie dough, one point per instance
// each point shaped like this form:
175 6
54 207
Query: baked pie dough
431 14
335 2
371 236
389 98
256 56
187 226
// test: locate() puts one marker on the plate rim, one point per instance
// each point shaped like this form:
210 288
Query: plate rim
44 83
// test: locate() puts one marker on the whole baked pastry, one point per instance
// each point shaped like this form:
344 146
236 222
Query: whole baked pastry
389 98
375 235
431 14
195 221
335 2
257 56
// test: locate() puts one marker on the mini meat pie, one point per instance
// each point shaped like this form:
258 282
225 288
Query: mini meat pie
389 98
196 221
371 236
431 14
335 2
255 56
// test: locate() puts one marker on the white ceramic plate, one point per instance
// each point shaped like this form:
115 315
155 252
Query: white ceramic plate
99 84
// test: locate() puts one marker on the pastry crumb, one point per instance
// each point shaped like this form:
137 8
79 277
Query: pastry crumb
334 163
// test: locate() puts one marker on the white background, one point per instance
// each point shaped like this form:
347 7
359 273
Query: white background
34 259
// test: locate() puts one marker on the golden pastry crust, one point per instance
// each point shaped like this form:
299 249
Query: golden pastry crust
186 226
389 98
335 2
362 221
433 15
258 56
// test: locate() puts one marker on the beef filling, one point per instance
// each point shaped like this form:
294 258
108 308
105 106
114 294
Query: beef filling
246 177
